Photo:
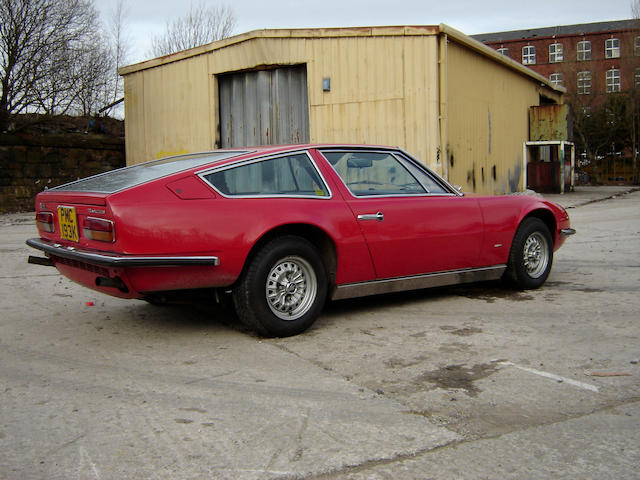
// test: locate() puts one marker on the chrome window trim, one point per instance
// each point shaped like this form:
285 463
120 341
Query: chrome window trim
404 156
203 173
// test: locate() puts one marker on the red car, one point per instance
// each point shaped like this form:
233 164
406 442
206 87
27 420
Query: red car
284 228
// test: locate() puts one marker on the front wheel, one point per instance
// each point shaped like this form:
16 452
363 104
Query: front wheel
283 289
531 254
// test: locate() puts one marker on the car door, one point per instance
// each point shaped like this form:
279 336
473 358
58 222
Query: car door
413 224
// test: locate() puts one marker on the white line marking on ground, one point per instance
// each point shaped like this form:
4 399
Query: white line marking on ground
557 378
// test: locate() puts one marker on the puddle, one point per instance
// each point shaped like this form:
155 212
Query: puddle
459 377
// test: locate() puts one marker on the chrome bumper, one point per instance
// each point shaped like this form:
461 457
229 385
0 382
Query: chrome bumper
115 260
567 232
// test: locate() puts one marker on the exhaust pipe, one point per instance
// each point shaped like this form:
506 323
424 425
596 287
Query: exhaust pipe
47 262
115 282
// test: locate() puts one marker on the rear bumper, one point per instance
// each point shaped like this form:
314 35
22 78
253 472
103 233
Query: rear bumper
114 260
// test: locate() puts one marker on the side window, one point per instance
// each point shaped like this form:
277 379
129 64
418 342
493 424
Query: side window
374 173
292 175
379 173
427 180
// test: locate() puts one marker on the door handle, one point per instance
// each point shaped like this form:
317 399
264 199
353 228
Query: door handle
372 216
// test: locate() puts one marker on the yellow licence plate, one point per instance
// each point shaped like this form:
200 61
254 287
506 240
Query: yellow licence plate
68 221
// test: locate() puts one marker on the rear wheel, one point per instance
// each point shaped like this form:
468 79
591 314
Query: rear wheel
283 289
531 254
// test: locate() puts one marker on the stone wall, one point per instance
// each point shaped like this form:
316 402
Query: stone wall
29 163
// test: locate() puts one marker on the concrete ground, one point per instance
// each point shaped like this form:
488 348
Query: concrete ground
465 382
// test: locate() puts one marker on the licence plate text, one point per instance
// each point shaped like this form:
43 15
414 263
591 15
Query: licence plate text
68 221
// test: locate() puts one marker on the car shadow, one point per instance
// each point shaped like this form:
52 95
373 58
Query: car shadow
187 315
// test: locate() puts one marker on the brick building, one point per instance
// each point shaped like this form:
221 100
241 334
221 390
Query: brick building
592 61
586 59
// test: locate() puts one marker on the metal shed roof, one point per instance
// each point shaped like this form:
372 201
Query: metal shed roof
407 30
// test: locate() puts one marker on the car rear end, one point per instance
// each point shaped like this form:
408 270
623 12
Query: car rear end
84 234
78 236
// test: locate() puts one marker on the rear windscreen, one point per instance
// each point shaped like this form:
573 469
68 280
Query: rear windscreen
128 177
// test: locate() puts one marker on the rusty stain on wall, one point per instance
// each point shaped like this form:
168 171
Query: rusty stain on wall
515 179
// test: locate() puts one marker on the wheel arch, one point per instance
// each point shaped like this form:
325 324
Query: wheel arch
318 237
547 217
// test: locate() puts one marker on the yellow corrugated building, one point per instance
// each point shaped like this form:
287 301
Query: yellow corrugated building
457 105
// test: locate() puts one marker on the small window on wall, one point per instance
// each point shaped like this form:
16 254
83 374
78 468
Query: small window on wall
503 51
636 46
613 80
584 50
584 83
529 55
555 53
612 48
637 78
556 79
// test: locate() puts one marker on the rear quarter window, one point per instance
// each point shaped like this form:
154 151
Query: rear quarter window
290 175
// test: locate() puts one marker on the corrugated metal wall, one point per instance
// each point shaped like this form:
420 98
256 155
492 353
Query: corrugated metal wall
167 110
385 89
264 107
488 122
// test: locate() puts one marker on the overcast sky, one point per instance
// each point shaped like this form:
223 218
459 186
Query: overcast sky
146 18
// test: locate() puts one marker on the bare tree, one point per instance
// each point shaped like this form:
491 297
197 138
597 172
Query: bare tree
42 43
121 44
200 26
94 79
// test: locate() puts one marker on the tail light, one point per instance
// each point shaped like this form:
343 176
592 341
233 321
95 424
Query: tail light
99 229
44 221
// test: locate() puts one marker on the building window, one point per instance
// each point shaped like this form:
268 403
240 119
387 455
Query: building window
613 80
584 83
503 51
612 48
555 53
637 78
529 55
636 46
556 79
584 50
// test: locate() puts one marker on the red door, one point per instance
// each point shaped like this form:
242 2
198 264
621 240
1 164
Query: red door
420 234
411 222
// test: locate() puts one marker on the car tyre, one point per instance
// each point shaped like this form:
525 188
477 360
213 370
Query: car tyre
283 289
531 255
